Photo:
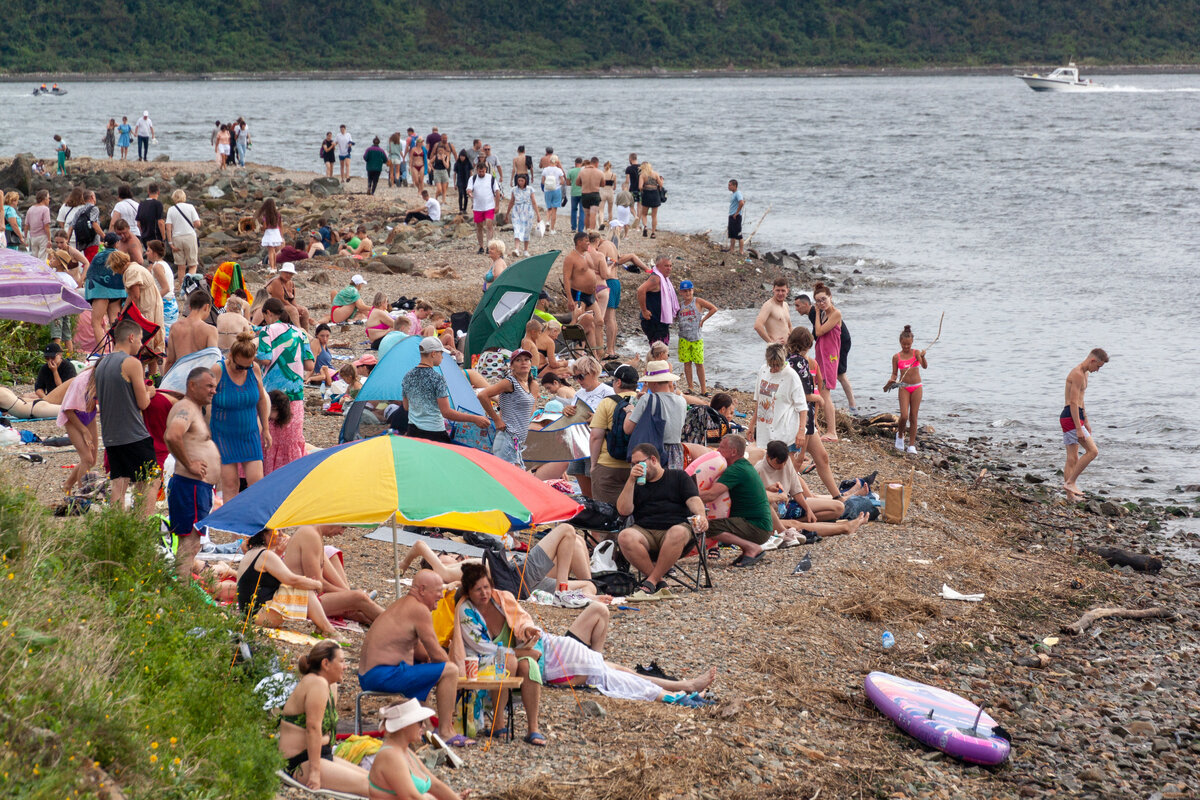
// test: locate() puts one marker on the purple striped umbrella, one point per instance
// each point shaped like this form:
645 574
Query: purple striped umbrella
31 292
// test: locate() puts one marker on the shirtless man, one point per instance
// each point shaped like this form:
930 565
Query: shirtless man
521 167
579 279
193 332
547 159
306 556
774 320
401 654
128 244
197 465
1074 423
590 179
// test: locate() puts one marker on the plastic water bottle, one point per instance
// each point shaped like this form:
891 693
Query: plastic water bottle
888 640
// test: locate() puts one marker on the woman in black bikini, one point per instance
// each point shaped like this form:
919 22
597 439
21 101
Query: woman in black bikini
308 724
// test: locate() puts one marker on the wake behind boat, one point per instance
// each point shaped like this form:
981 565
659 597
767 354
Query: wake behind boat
1063 79
52 91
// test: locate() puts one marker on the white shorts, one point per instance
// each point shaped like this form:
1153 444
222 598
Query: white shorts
223 149
1073 436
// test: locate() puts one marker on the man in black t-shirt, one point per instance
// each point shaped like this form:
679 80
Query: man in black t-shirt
633 184
666 509
151 217
55 372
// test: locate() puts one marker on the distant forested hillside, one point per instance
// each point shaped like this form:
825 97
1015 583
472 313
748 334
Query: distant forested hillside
255 35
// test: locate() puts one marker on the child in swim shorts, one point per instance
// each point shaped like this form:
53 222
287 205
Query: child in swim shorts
689 319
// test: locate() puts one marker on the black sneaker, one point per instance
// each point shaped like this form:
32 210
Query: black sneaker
480 252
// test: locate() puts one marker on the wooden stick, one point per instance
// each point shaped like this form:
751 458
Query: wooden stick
939 333
1085 622
760 222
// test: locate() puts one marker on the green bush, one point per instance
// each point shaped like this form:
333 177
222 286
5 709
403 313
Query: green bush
21 355
108 671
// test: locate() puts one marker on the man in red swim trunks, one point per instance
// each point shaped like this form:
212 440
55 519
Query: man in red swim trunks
483 189
1074 423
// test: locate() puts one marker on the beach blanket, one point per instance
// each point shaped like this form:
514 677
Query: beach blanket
408 538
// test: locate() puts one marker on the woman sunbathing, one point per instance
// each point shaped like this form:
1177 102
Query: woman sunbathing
273 593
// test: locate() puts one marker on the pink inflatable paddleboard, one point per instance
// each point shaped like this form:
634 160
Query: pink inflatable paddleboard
938 718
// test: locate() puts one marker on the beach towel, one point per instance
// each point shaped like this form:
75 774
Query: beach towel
670 303
227 280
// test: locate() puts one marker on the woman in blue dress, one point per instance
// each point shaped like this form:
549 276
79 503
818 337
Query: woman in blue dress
125 131
240 417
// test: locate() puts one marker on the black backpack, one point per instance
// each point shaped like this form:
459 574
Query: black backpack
616 439
82 227
699 421
617 583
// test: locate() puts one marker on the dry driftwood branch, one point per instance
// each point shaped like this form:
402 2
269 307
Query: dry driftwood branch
1124 558
1085 622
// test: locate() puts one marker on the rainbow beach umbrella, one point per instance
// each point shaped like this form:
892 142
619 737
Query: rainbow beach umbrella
399 480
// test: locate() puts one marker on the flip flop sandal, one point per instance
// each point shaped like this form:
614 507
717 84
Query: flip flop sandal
458 740
750 561
535 739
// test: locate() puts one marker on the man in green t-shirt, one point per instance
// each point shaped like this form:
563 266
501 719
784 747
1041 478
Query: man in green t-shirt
347 302
749 523
577 214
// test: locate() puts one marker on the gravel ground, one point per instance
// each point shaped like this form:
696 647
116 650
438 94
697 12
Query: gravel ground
1110 713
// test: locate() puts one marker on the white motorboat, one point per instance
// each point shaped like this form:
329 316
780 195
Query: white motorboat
1063 79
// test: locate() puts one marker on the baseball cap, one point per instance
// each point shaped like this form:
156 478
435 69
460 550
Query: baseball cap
288 267
359 280
627 375
686 285
520 351
431 344
111 239
52 349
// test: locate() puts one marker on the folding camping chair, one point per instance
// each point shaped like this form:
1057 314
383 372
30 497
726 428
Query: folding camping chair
573 342
691 578
149 329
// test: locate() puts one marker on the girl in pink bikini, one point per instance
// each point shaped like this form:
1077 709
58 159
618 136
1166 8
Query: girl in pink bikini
906 374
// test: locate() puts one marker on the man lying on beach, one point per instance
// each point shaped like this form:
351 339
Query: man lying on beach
401 654
306 556
576 659
549 566
821 514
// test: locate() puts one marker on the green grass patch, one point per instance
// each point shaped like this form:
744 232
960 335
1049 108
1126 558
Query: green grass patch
21 356
110 673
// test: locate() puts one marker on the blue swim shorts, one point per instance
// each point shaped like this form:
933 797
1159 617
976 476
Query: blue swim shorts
410 680
188 500
614 292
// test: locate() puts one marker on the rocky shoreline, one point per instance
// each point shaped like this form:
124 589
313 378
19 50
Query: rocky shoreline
1109 712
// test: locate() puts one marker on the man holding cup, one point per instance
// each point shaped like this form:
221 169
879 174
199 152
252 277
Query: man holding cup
666 509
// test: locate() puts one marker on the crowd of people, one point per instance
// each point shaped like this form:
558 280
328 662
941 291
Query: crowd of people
666 463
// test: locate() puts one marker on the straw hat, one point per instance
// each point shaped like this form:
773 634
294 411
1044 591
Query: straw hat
659 372
401 715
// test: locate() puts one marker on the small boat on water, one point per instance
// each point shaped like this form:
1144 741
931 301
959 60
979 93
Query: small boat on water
1063 79
57 92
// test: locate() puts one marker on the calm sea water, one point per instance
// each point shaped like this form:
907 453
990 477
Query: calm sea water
1042 225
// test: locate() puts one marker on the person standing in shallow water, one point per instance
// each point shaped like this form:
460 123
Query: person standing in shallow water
906 376
1074 423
